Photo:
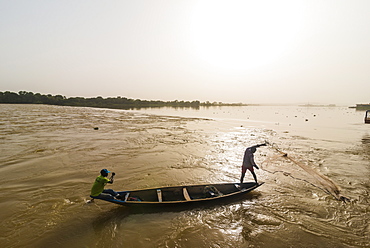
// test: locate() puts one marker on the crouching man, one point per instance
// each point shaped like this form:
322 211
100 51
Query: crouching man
98 191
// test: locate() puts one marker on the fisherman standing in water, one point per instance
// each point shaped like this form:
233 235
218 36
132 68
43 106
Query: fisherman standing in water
248 162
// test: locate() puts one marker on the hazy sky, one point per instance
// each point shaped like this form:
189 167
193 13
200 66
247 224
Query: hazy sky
314 51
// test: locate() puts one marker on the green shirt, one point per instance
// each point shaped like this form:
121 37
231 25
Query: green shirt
98 185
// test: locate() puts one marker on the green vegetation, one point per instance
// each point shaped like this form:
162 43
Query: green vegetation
23 97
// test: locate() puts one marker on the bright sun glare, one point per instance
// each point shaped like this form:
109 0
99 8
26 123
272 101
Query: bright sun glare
237 35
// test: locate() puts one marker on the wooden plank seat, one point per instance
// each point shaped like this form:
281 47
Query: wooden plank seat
186 194
126 196
159 194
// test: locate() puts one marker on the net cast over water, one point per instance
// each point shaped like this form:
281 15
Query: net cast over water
318 180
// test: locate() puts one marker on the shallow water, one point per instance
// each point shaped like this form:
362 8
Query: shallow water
50 155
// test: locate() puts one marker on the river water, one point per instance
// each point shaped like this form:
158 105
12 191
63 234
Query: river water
50 156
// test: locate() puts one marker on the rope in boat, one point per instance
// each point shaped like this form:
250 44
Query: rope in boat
329 187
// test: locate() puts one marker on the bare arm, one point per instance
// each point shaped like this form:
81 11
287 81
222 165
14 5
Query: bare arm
111 179
252 161
264 144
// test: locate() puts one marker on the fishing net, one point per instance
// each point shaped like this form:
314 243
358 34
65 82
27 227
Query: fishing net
316 179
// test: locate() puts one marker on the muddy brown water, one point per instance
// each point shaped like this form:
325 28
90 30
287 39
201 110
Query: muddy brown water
50 156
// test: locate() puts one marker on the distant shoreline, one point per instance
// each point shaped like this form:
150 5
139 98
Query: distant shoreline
24 97
362 106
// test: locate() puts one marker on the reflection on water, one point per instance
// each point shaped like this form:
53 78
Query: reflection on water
366 144
50 156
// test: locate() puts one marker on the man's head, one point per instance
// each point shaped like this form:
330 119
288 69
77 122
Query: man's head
104 172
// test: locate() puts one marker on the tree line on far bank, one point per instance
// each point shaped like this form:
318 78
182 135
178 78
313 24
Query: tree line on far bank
24 97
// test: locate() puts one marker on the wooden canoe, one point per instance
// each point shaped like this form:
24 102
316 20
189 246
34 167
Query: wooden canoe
183 195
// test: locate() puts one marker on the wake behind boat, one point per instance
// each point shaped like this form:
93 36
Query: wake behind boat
182 195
